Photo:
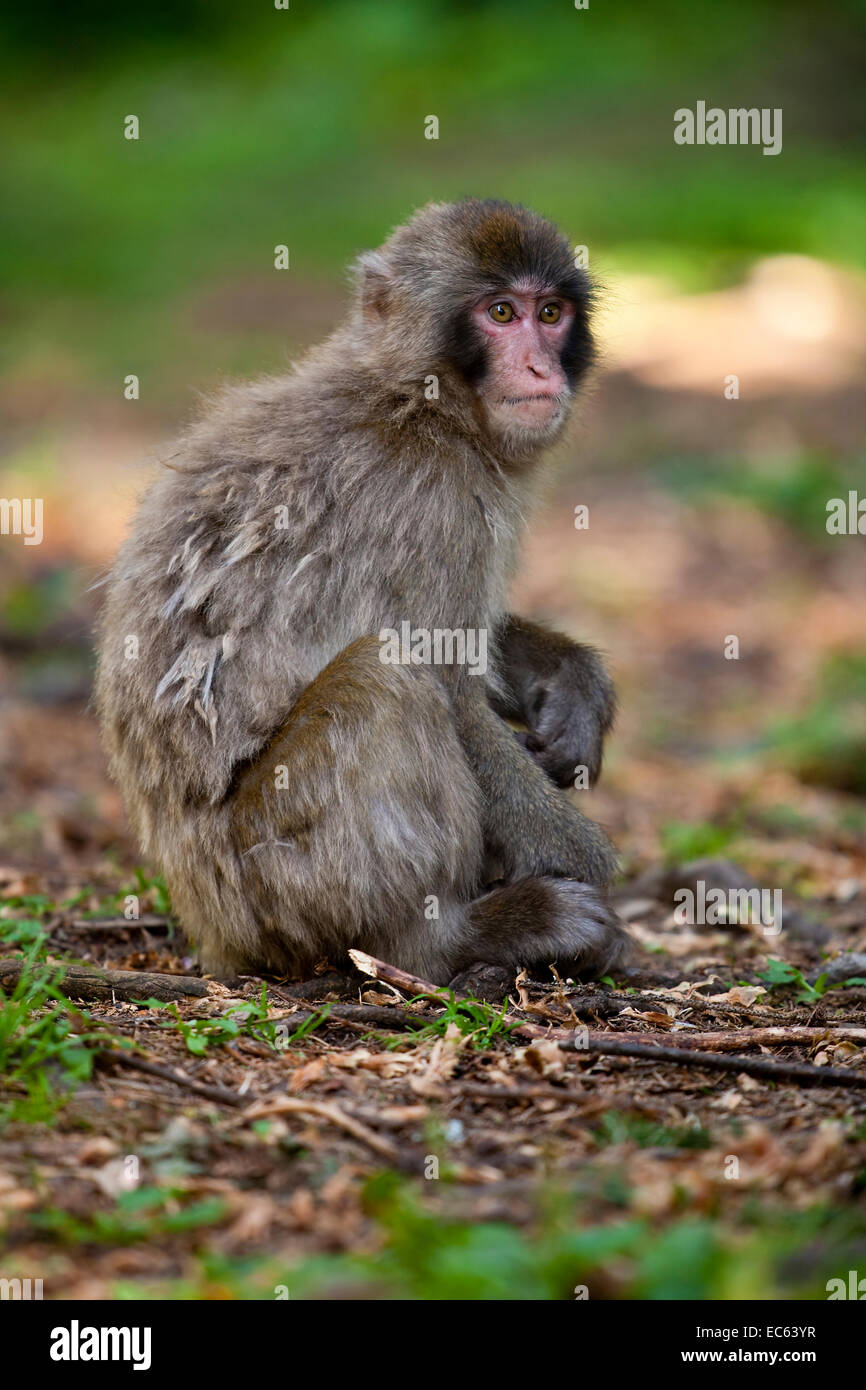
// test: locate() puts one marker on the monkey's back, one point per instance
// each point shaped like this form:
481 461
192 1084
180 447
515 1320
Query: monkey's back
286 525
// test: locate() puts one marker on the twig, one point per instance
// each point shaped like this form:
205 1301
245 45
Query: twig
112 924
89 982
730 1040
381 970
368 1015
771 1069
220 1094
288 1105
613 1045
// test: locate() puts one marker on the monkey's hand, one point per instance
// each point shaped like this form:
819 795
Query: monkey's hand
569 711
562 692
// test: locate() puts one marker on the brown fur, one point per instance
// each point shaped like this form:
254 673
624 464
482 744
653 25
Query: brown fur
300 517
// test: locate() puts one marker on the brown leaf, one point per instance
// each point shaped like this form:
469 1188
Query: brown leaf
544 1057
306 1075
441 1064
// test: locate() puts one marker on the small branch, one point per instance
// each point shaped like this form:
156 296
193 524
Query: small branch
112 924
389 1016
221 1094
89 982
401 979
730 1040
770 1069
615 1045
288 1105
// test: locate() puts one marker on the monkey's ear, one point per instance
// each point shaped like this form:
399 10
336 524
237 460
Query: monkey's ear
375 283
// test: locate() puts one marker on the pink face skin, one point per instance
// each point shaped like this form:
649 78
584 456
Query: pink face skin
525 390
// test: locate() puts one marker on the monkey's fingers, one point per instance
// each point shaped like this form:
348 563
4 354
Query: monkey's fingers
556 765
565 748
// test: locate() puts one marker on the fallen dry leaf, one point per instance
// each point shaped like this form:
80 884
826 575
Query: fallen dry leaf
306 1075
544 1057
740 994
649 1016
440 1065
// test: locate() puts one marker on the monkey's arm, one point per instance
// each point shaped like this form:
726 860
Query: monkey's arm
561 691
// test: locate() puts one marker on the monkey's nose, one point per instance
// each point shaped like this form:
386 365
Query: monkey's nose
539 369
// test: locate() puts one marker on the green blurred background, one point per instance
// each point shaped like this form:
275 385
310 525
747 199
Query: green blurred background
305 126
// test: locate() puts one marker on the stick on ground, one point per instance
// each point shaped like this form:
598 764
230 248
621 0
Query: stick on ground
89 982
221 1094
616 1045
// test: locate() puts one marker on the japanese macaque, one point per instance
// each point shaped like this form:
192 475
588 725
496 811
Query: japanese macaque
304 789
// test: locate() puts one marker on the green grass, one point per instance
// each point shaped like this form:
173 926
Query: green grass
619 1128
683 841
149 889
249 1019
145 1214
47 1044
477 1022
782 820
826 744
793 491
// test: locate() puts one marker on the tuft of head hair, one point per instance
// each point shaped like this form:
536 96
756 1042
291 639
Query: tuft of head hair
433 269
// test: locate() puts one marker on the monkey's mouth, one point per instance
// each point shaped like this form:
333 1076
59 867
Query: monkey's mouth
531 400
541 410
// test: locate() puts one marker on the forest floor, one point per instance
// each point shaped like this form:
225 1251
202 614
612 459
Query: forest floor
395 1148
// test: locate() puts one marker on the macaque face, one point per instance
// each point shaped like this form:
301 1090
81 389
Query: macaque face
525 388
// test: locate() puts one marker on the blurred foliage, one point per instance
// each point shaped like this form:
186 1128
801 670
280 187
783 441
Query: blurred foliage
305 126
147 1213
794 491
34 604
683 841
424 1255
827 744
782 975
619 1128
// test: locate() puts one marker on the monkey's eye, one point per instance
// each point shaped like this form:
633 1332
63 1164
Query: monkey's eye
501 312
551 313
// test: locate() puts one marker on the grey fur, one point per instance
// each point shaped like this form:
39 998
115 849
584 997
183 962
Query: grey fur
257 650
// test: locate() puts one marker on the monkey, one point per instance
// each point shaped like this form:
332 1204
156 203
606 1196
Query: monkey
302 794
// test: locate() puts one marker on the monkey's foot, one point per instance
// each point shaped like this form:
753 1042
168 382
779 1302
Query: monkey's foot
483 981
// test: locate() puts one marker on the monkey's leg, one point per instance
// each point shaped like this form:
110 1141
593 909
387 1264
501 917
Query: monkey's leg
537 921
361 825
